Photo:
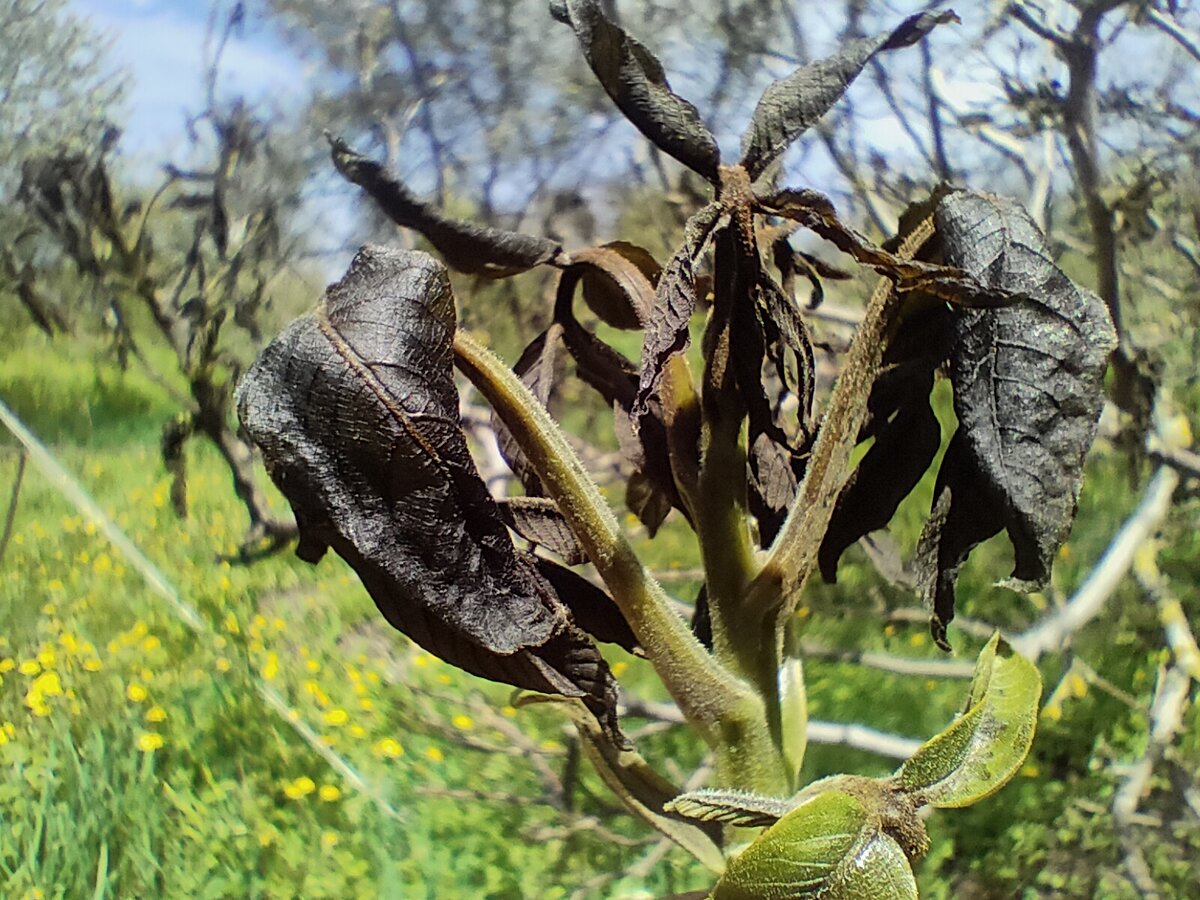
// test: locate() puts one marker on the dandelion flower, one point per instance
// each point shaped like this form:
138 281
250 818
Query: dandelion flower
337 716
135 692
463 723
149 742
300 788
389 748
329 840
156 714
29 667
434 754
329 793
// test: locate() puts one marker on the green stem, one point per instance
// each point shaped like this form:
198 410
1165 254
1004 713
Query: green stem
728 715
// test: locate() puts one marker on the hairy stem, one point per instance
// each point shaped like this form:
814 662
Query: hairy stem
793 555
727 714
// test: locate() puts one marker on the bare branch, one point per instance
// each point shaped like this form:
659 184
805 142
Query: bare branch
1184 38
1053 633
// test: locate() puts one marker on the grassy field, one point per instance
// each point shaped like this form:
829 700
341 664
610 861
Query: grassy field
139 758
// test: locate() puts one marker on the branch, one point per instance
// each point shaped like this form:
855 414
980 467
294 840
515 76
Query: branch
1054 632
886 662
861 737
1167 25
844 734
1166 720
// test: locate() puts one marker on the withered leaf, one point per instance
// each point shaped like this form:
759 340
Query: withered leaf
538 369
674 302
634 79
469 248
618 283
792 105
1027 392
593 609
355 410
905 430
816 212
538 520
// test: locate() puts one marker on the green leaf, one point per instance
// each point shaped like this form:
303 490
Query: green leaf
980 752
879 871
829 847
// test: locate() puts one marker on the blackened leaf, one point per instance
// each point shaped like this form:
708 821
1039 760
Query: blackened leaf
473 249
634 79
1027 392
645 447
538 520
593 609
816 212
674 302
792 105
538 369
618 283
646 501
905 430
355 410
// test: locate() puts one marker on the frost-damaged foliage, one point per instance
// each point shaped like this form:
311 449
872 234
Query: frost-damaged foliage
1027 380
356 412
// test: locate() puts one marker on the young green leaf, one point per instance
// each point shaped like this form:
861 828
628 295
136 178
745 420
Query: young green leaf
791 106
1028 381
740 808
355 410
980 752
831 846
473 249
634 79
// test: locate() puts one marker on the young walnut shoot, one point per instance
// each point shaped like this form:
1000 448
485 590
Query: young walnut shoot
355 409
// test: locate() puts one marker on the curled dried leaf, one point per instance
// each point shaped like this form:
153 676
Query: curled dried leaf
473 249
674 302
356 413
792 105
634 79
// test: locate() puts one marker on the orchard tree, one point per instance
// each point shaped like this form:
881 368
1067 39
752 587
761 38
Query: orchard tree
198 258
357 414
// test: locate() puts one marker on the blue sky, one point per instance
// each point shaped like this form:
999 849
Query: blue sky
160 43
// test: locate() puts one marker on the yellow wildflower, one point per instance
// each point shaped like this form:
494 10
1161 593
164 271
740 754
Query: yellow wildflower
151 643
30 667
328 840
47 657
389 748
271 667
312 665
47 684
135 692
156 714
463 723
329 793
301 787
366 703
357 731
7 665
92 664
434 754
149 741
222 665
337 716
